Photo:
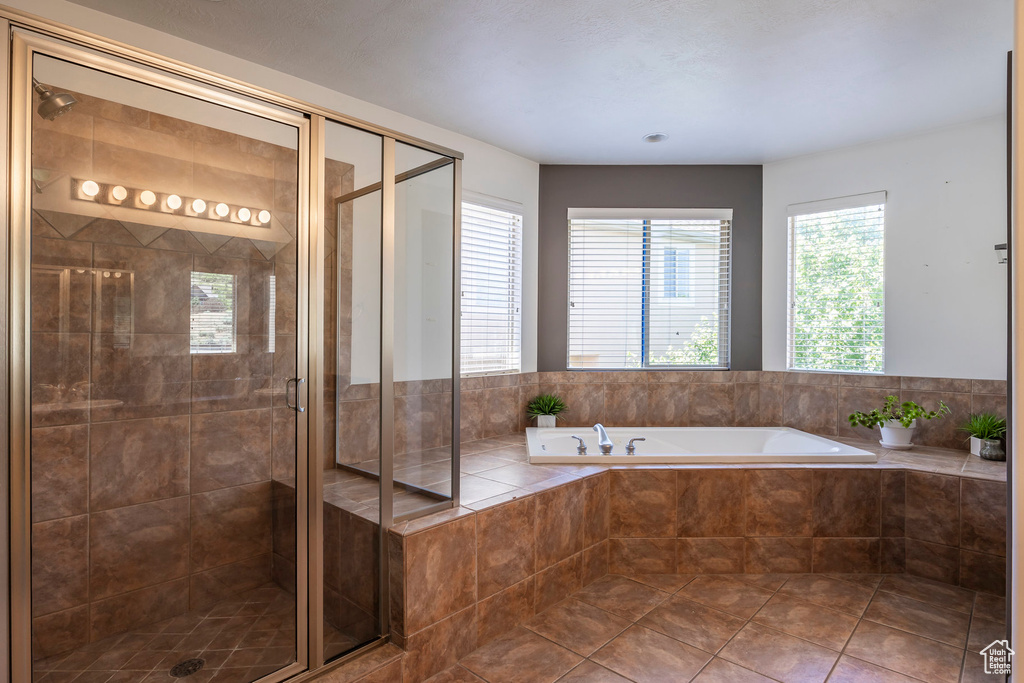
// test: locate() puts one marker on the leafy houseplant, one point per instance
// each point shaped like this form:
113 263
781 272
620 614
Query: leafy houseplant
546 409
896 420
982 427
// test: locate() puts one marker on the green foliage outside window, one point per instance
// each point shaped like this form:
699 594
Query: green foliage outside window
837 314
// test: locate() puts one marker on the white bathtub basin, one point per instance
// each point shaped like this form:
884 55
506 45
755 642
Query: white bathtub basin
691 445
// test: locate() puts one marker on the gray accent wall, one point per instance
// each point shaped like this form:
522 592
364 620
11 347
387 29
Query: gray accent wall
718 187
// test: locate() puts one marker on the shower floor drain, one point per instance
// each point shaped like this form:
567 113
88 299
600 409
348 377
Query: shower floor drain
187 667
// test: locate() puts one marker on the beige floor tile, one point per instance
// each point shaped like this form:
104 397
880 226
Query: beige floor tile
521 656
806 620
905 653
924 619
926 590
779 656
645 656
719 670
622 596
726 594
828 592
850 670
693 623
577 626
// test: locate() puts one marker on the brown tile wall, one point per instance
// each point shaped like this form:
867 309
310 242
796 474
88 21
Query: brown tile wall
755 521
159 496
469 579
813 402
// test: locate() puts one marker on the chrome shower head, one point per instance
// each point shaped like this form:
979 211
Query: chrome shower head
52 104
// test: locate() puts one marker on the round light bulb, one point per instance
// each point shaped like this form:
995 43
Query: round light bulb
106 273
198 205
173 202
117 274
244 214
119 193
147 197
264 216
222 209
90 188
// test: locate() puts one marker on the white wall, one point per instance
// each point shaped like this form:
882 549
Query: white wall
945 294
487 169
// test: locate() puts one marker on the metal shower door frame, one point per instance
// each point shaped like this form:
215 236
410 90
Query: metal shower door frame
24 45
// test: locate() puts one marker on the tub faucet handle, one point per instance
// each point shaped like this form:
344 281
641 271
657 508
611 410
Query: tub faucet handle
582 448
630 448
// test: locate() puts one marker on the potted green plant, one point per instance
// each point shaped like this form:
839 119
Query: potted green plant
545 408
896 420
982 427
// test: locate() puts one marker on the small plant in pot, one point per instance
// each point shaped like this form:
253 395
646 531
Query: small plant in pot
545 408
984 427
896 420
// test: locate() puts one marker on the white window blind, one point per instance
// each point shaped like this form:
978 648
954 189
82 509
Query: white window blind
649 288
272 314
492 287
837 285
212 319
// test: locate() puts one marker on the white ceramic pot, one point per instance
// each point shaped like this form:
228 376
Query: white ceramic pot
546 421
895 434
975 445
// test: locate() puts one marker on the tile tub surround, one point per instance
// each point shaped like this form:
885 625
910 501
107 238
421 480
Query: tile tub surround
814 402
463 577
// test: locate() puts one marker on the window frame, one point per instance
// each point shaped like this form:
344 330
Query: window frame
794 211
725 276
515 338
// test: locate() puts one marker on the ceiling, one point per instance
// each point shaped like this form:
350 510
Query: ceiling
581 81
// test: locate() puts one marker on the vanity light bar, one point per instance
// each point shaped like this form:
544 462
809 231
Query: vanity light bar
148 200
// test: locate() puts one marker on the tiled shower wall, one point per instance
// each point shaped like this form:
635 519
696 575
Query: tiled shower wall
813 402
157 497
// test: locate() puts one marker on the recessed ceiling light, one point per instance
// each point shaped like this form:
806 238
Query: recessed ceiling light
655 137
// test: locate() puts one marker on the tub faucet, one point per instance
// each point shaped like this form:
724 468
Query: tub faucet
630 448
602 439
582 448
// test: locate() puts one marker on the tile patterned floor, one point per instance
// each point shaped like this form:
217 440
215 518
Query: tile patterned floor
241 639
803 628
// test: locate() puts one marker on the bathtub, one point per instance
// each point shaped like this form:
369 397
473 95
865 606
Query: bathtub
691 445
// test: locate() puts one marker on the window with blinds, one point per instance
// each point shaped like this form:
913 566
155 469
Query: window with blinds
649 288
837 285
492 289
212 319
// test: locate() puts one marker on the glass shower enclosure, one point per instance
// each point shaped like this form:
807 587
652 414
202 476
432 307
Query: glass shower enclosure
232 359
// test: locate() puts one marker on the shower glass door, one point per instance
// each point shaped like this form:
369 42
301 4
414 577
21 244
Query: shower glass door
352 415
165 340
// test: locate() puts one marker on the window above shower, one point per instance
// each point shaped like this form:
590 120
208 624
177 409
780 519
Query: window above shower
212 318
649 288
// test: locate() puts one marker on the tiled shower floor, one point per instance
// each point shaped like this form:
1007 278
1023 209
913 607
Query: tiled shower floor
241 639
748 629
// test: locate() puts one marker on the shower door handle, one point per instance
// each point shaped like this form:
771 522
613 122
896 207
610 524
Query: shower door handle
298 407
